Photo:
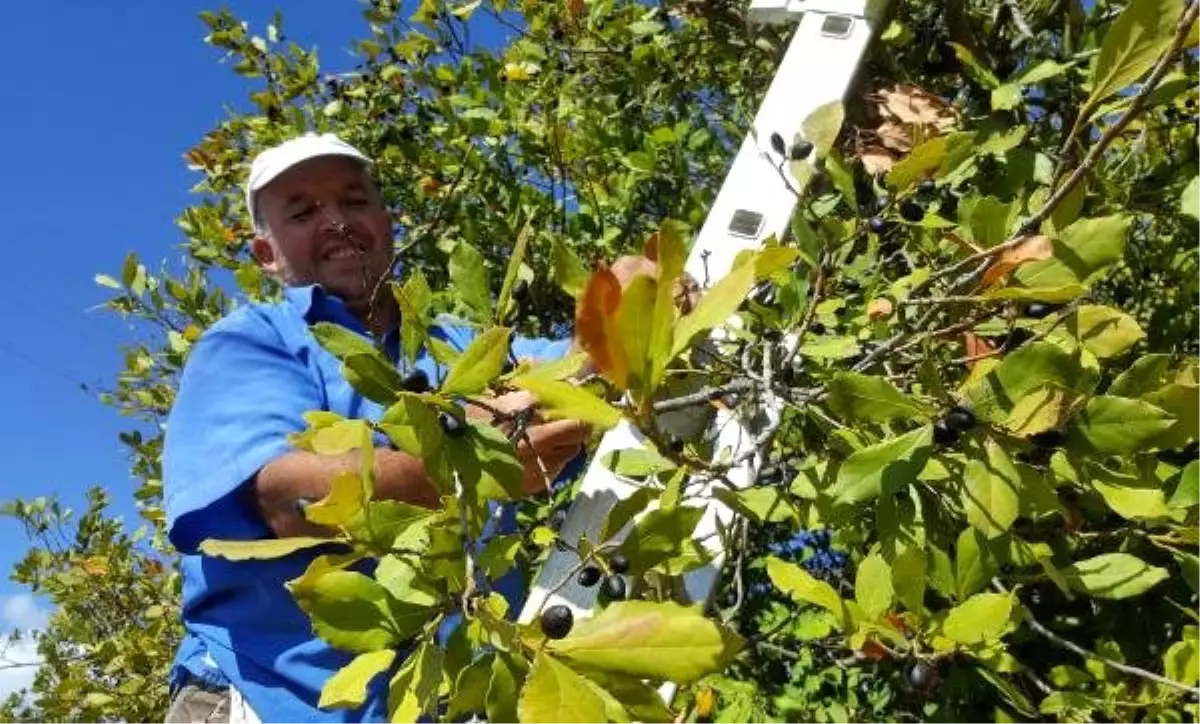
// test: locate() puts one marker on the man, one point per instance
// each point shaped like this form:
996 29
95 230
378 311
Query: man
320 228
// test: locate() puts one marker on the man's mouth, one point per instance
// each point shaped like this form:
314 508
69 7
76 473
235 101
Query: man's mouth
342 252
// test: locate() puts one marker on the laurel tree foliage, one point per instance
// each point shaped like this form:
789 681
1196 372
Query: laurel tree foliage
979 500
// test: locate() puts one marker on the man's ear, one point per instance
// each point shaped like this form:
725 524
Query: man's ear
264 253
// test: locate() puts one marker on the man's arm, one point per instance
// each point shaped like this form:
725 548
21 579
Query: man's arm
300 475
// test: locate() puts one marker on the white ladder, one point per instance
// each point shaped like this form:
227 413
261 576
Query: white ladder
756 200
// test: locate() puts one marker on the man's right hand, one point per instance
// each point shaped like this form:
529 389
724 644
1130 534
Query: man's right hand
545 447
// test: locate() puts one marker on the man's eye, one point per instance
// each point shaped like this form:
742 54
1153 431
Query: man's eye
357 203
301 213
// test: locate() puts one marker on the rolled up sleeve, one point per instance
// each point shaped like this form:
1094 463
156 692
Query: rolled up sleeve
241 394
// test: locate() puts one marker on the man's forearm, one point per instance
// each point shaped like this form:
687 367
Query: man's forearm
300 475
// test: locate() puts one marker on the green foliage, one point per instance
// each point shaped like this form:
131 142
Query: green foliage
1000 222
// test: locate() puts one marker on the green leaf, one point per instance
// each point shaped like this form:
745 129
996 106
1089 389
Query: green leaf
1181 662
487 463
365 367
245 550
830 347
348 687
1064 676
635 327
391 524
991 491
873 587
563 400
1066 702
1031 367
802 587
1129 495
893 463
105 280
658 641
1106 332
1007 96
981 618
1040 410
989 221
766 504
344 500
637 462
1120 425
355 613
469 276
1054 295
918 164
1187 492
1147 374
413 690
480 363
554 693
413 299
1084 248
1113 575
471 688
974 563
412 426
978 72
659 536
1189 202
908 579
405 582
716 306
1140 34
502 693
567 271
854 396
822 126
625 510
1181 401
671 257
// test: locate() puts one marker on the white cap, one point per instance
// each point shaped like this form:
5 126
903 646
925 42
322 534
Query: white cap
277 159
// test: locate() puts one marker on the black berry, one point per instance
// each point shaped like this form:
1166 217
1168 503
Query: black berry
959 418
557 519
1047 439
589 576
677 446
614 588
943 435
451 425
928 186
949 205
557 621
778 145
1037 310
618 563
877 224
816 328
520 291
921 675
801 150
850 285
882 202
416 381
911 211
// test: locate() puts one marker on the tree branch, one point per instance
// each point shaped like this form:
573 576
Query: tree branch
1088 654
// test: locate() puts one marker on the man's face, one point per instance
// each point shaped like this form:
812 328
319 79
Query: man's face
325 225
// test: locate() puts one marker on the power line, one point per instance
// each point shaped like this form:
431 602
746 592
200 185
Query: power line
44 366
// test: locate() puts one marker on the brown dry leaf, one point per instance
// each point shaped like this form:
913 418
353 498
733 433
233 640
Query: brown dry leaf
880 308
873 651
595 325
876 159
575 8
915 106
1030 248
895 136
977 347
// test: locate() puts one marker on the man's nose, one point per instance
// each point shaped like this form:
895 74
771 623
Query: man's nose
332 217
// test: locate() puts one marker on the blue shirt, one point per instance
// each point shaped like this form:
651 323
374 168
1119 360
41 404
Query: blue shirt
246 385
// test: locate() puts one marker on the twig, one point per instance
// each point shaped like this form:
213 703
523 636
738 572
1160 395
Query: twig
1088 654
1018 18
1035 338
704 395
1139 99
469 584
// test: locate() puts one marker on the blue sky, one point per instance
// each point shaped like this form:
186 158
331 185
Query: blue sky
100 102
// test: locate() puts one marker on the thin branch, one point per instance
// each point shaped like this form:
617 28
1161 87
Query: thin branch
705 395
1139 99
1088 654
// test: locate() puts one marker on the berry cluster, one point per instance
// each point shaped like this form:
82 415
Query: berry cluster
812 548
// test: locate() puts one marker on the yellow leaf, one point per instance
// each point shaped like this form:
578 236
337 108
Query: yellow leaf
344 501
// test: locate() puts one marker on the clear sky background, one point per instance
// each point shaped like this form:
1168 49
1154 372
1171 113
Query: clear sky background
98 103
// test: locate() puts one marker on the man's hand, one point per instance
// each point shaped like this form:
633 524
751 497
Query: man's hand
544 448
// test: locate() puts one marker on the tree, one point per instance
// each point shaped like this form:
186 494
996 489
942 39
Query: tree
981 498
